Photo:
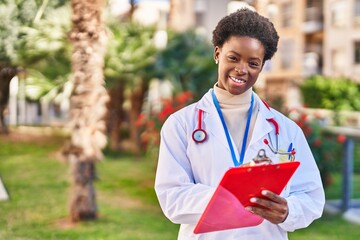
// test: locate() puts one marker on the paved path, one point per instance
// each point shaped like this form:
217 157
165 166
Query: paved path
351 215
3 193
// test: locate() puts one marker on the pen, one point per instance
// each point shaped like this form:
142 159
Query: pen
289 150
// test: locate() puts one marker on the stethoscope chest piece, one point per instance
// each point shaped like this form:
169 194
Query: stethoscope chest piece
199 135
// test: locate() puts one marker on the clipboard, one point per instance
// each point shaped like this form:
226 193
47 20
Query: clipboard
226 208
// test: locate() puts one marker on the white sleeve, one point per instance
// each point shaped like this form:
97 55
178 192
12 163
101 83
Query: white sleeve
306 198
181 199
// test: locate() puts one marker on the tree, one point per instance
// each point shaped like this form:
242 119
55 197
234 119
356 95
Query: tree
43 46
12 16
88 106
129 68
6 74
16 18
191 69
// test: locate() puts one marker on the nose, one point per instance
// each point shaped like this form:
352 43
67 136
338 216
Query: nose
241 69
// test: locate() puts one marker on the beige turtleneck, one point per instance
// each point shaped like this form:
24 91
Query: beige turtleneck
235 109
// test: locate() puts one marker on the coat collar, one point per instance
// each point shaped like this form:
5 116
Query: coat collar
262 125
213 125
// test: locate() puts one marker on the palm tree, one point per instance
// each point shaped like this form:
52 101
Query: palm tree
18 48
6 74
10 22
198 70
88 106
129 67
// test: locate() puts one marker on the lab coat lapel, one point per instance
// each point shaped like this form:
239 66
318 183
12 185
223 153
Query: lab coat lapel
212 122
262 126
213 125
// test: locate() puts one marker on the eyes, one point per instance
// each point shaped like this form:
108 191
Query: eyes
252 63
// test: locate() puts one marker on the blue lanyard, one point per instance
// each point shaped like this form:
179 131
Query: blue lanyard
242 154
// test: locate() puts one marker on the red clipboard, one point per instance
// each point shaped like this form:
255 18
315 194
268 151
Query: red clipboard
226 208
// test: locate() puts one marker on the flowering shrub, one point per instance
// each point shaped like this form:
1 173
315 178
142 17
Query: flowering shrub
151 123
326 147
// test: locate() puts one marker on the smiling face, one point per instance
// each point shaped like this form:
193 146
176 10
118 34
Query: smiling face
240 63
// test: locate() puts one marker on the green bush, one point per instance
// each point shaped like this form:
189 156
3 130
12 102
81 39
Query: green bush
331 93
326 147
188 62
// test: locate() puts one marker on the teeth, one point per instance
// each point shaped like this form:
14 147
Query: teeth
237 80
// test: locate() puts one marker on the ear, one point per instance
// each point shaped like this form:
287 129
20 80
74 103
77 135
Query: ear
216 53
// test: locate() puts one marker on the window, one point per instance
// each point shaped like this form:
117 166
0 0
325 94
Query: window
338 61
357 13
357 52
314 3
287 14
338 14
314 10
357 8
287 53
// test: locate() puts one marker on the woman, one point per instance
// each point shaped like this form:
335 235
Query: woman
191 165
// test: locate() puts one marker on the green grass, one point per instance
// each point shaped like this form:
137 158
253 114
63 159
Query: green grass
335 190
38 186
329 227
37 182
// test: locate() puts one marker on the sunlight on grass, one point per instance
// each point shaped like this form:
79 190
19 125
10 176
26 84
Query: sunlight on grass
128 210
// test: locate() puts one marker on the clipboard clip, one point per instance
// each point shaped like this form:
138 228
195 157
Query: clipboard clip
260 159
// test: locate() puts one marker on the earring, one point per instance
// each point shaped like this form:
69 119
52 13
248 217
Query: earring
216 61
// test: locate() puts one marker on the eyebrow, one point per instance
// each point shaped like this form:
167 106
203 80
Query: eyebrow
252 58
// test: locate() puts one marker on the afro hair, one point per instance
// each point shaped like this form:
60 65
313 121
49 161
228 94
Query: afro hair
247 23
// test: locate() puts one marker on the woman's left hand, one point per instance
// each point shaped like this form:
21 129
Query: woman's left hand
272 207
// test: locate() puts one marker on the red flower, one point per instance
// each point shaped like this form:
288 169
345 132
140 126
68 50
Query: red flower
317 115
307 130
184 97
317 142
166 112
140 120
341 138
303 117
150 124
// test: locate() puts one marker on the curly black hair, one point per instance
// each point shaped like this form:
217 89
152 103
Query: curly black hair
245 22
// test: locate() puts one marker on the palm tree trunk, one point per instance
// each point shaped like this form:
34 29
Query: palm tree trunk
137 99
116 115
6 74
88 106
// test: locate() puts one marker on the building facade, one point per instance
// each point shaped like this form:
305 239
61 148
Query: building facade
316 37
300 27
342 39
300 24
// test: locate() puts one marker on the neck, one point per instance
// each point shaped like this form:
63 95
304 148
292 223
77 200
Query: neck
224 97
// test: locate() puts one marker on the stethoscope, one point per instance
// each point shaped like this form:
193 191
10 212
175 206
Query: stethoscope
199 135
290 152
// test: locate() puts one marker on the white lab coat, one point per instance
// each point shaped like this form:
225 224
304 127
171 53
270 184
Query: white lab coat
188 173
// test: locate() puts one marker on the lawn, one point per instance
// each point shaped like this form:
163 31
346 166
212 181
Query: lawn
37 181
